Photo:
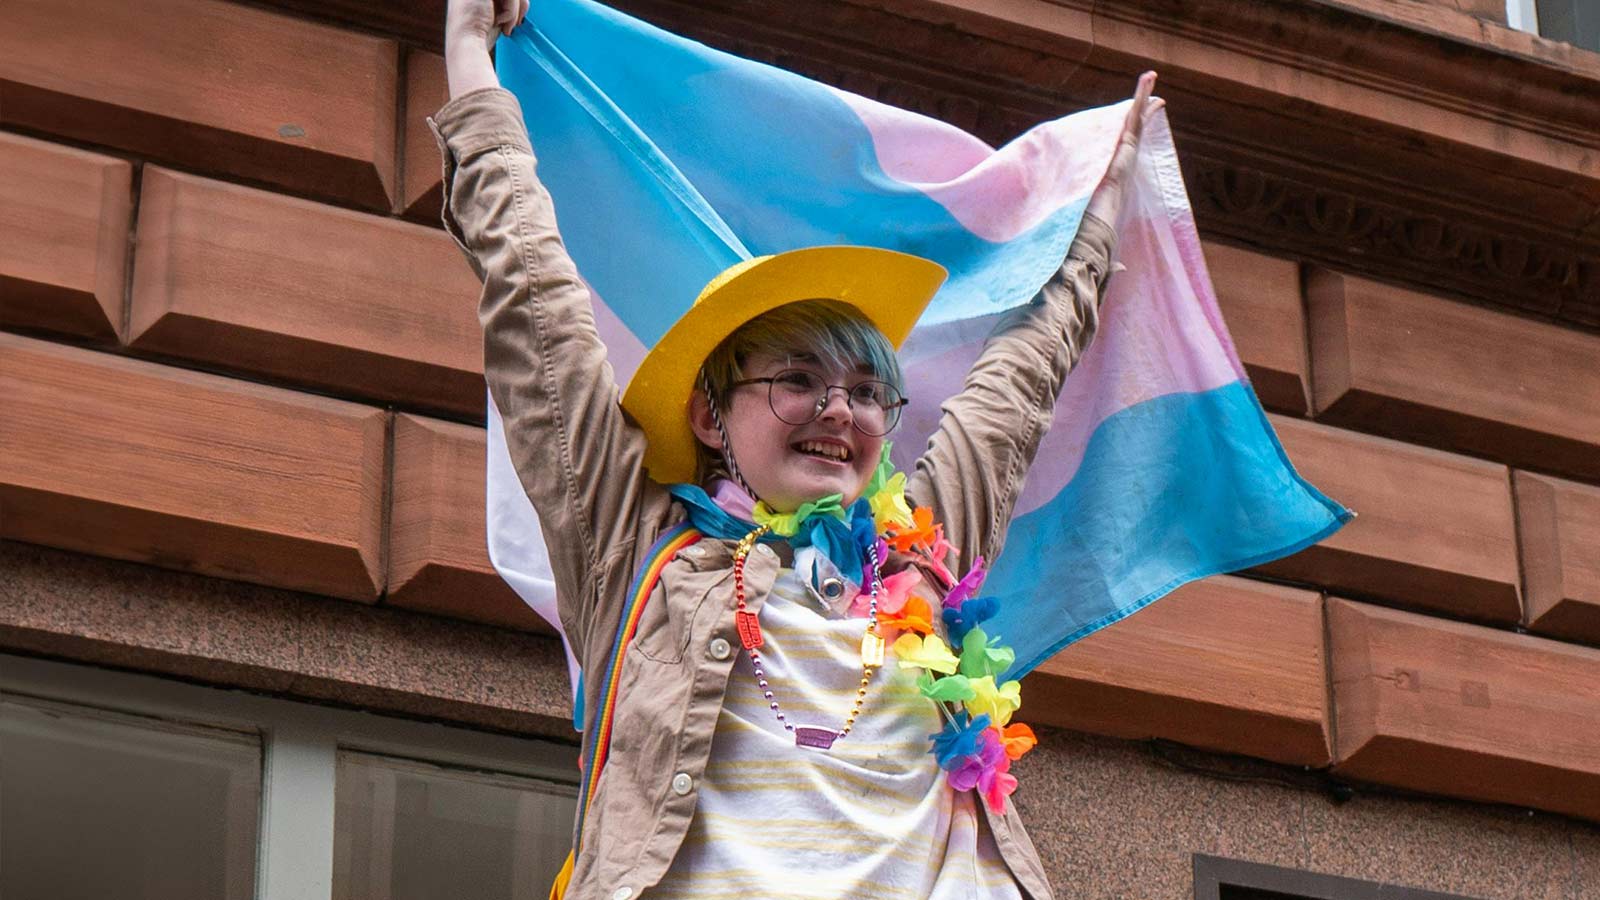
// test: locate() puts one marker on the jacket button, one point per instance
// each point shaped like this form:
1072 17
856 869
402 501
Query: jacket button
695 552
764 550
720 649
682 783
622 893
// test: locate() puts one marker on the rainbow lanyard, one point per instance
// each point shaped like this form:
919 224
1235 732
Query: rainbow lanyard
665 547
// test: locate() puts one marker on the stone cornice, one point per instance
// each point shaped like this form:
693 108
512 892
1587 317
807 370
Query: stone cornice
1425 118
1414 52
1357 233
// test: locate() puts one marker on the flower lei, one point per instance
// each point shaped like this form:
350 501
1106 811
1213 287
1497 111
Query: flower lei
979 741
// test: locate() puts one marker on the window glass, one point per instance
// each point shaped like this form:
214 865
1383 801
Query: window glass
98 804
1574 21
413 831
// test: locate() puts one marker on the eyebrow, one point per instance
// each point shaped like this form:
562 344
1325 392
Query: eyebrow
862 368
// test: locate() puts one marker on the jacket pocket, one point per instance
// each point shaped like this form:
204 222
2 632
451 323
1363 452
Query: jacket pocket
667 623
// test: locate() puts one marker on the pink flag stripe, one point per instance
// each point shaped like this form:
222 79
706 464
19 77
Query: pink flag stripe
1158 335
997 195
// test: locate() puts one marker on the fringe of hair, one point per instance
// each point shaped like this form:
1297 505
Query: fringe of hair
835 332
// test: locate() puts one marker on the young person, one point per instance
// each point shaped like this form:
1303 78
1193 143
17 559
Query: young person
794 652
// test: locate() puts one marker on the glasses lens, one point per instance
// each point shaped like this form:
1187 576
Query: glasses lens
875 406
798 396
793 395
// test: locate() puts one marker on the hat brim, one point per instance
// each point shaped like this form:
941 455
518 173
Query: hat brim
890 288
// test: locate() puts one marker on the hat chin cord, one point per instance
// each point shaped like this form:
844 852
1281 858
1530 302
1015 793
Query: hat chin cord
726 450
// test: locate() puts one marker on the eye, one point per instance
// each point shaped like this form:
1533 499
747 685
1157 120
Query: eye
878 393
797 381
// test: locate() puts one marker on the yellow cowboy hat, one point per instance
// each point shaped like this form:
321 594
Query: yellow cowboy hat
890 288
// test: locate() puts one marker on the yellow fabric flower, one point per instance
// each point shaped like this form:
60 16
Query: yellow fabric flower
998 703
788 524
917 652
886 494
889 507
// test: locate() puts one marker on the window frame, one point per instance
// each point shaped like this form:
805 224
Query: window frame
1213 873
300 744
1523 15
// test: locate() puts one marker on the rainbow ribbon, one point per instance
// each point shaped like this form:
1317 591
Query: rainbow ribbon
594 758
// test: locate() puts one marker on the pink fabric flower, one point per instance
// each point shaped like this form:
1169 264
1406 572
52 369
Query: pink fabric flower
892 599
896 588
999 787
938 550
733 499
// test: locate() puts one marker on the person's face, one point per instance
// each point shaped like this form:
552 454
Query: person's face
787 465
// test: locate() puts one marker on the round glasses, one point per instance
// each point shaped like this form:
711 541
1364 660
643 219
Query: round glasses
798 396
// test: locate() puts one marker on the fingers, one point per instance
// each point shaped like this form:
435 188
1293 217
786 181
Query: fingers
1146 87
1143 107
508 14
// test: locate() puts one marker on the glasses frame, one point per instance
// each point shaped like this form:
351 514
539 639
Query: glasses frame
891 413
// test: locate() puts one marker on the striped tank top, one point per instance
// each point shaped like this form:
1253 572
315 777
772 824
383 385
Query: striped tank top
873 817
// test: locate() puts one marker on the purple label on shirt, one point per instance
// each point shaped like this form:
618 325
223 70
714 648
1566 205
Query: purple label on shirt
815 738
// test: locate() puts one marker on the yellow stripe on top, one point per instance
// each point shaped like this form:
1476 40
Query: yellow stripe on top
870 817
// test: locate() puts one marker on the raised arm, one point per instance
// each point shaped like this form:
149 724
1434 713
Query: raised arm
577 457
989 432
470 29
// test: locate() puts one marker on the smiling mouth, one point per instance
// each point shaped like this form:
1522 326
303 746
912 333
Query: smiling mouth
821 450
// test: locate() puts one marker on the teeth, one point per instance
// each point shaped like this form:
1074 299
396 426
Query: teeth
832 451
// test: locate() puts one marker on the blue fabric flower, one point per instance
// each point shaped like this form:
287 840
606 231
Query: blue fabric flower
711 519
958 740
970 614
844 541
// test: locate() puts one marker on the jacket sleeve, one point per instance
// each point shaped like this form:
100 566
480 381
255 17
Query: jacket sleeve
577 456
990 431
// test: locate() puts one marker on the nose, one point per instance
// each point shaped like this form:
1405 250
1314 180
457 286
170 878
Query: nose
831 411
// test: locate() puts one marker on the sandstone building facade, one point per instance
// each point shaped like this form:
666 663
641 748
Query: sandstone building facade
250 641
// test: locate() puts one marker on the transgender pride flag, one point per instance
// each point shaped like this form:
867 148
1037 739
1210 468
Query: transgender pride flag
670 161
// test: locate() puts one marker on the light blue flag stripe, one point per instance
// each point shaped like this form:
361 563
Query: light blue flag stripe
669 161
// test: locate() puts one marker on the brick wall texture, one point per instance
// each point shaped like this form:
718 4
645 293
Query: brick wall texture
241 442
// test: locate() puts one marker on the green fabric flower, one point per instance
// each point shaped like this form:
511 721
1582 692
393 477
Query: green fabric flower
950 689
982 656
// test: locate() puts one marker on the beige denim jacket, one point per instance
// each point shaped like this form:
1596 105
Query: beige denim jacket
578 457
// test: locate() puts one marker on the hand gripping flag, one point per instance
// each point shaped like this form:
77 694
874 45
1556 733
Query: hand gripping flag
670 161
